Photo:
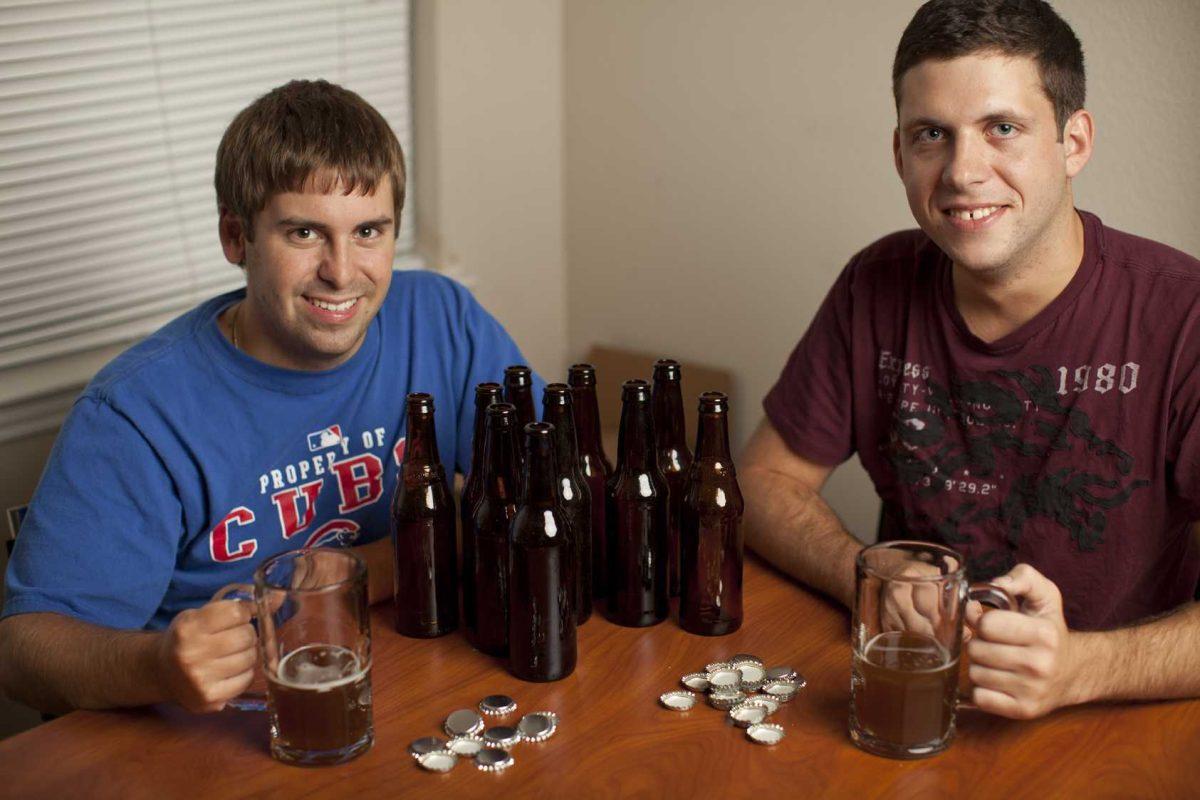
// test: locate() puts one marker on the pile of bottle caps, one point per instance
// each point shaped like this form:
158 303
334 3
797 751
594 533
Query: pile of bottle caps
746 690
489 747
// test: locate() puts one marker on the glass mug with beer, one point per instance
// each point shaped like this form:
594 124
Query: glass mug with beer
314 641
909 610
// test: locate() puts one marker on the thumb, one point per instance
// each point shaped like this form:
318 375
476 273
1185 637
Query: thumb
1036 594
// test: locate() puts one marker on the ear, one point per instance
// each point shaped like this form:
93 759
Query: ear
1078 137
899 160
233 237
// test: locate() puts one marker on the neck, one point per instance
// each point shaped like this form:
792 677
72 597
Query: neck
996 303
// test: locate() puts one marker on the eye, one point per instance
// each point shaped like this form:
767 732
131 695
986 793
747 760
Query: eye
304 234
1004 129
368 232
930 135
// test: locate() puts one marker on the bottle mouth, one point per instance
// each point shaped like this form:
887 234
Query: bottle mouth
557 393
420 401
667 369
636 389
502 410
539 429
488 387
582 375
714 401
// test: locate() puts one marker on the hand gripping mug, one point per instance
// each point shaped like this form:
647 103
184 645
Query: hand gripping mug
314 643
909 609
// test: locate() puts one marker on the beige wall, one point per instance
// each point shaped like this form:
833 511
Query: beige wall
489 161
724 160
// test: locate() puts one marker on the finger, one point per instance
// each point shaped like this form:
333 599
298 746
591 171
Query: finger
925 601
999 680
230 641
998 703
998 656
1035 591
1011 627
222 615
231 666
229 688
912 619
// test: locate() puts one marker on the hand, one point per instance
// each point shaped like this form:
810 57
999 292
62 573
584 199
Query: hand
1023 664
912 606
207 656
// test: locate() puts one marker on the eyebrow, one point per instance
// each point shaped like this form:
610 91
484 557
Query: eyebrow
296 222
998 115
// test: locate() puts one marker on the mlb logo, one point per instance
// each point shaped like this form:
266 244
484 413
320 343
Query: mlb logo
329 437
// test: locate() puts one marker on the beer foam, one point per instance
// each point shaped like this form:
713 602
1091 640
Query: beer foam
931 654
341 666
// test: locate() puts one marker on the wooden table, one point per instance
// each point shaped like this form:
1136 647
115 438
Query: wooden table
614 739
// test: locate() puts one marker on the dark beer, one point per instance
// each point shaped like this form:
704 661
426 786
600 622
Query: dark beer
636 513
518 390
485 395
906 686
674 459
541 596
320 705
711 529
487 610
574 496
426 568
594 463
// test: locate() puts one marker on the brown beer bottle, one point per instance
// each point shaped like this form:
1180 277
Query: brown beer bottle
426 568
674 458
595 465
485 395
574 496
636 512
711 529
541 596
486 611
518 390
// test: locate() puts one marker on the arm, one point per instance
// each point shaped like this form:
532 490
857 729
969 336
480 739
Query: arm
1027 664
788 523
57 663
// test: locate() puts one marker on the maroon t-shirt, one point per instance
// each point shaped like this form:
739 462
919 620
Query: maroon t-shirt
1071 444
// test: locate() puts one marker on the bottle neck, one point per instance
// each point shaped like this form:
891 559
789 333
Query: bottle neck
668 416
566 447
712 438
477 445
499 464
635 447
420 444
538 472
587 419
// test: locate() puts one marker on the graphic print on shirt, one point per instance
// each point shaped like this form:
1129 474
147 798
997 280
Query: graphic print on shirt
1004 452
295 489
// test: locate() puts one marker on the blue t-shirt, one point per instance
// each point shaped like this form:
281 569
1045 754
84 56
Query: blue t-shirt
185 463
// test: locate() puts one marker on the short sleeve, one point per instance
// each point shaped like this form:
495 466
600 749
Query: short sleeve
811 404
100 540
490 350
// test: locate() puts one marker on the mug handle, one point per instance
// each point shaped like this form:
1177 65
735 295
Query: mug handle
249 700
989 594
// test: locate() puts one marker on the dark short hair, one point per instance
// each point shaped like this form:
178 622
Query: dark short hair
305 133
946 29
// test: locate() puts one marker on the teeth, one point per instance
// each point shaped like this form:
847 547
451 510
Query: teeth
978 213
333 306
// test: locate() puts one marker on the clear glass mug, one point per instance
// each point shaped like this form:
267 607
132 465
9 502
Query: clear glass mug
314 641
907 636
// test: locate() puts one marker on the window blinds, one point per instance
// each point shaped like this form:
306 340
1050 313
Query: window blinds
110 116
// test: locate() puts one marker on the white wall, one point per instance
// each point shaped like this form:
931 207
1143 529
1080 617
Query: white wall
724 161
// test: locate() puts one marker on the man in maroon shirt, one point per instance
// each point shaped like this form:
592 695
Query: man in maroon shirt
1020 381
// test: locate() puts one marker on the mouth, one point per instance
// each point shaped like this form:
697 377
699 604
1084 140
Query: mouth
332 310
973 218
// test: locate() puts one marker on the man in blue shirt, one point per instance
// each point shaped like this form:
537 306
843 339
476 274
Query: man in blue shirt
264 420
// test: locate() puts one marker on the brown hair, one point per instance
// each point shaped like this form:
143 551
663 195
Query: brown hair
946 29
300 133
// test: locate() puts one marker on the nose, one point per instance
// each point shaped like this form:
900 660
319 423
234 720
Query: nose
336 269
968 164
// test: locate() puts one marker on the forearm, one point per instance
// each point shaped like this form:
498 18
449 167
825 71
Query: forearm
1154 660
378 557
56 664
791 526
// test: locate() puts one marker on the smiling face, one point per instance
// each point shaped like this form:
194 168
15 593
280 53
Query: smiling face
317 271
986 174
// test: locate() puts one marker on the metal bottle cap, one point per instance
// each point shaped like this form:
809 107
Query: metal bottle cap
781 690
716 665
725 700
502 736
746 714
463 722
781 674
538 727
745 658
725 680
753 675
438 760
765 701
765 733
427 744
696 681
677 700
497 705
493 759
465 745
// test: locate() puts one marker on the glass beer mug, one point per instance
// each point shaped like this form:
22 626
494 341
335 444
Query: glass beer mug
314 643
909 608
